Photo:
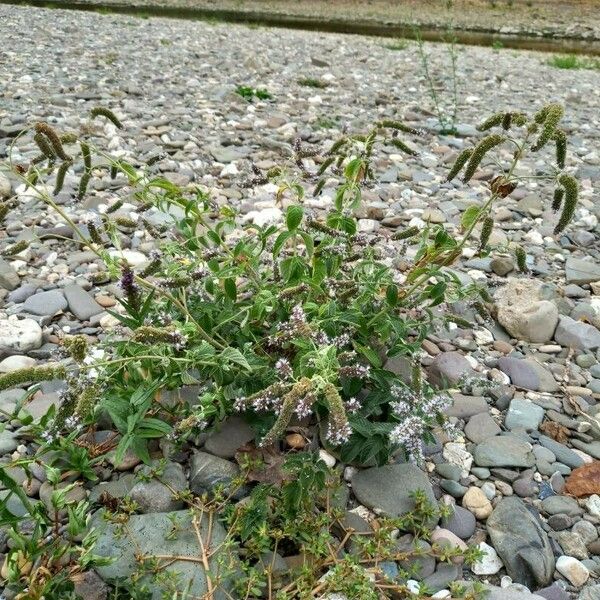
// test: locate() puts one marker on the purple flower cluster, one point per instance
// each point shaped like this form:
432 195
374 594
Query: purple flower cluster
417 412
338 435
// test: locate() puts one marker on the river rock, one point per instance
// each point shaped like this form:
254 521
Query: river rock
20 334
521 543
388 489
504 451
523 314
580 271
578 335
152 534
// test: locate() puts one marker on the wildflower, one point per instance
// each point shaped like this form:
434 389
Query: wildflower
352 405
336 434
283 367
72 422
409 434
130 288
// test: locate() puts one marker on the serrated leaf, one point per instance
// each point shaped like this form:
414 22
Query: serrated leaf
235 356
230 289
469 216
293 216
282 238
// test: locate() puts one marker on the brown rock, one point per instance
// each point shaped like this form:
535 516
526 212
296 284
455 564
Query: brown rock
584 481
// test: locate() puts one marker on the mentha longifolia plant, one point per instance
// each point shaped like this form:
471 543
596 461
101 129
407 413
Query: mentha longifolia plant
290 323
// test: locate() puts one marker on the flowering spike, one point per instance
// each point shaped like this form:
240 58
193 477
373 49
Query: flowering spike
397 125
559 194
459 163
406 234
492 121
60 176
31 375
569 183
560 139
402 146
486 231
319 187
338 430
52 136
290 401
45 148
553 114
337 145
109 114
521 257
325 165
77 347
83 185
16 248
484 146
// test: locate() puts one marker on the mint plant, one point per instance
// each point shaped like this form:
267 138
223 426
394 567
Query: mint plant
288 322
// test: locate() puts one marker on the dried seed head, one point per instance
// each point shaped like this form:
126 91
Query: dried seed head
87 155
319 187
484 146
94 233
106 112
459 163
325 165
569 183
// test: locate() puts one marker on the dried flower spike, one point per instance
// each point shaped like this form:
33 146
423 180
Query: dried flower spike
16 248
486 231
406 234
492 121
60 176
560 139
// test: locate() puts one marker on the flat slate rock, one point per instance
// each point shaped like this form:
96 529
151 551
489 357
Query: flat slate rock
563 454
148 535
522 544
504 451
45 303
528 374
231 435
81 304
388 489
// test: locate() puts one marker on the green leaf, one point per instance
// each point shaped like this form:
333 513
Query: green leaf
391 294
230 289
282 238
370 355
294 216
470 216
235 356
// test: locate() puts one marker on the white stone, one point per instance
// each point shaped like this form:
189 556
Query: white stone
574 570
22 335
16 362
490 564
483 337
132 257
413 586
265 217
523 314
327 458
442 595
457 455
593 505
